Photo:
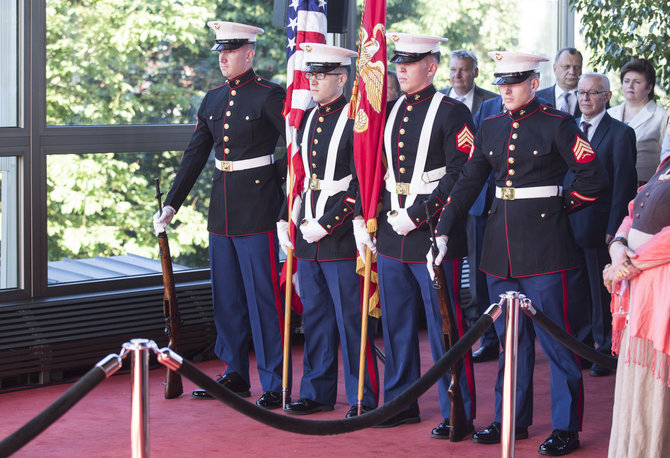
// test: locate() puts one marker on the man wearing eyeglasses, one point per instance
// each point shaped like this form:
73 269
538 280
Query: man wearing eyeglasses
325 246
595 226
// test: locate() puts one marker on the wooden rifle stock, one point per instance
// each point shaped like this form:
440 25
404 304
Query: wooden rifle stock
457 421
173 385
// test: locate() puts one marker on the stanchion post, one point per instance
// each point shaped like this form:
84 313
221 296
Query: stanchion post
139 415
509 380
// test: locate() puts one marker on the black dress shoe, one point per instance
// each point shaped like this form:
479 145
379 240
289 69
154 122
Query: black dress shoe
491 435
406 417
271 400
486 353
560 443
599 371
443 431
353 412
233 381
304 406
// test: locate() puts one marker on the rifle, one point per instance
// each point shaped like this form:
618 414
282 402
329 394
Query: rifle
173 386
458 424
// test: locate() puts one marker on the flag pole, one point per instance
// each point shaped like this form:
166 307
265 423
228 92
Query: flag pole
288 296
364 327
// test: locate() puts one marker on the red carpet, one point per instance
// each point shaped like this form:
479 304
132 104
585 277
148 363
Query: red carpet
99 425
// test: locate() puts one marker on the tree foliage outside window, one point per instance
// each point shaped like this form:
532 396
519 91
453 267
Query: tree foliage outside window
112 62
617 31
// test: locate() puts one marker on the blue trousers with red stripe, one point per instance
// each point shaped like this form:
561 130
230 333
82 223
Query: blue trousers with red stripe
403 287
330 295
245 289
548 292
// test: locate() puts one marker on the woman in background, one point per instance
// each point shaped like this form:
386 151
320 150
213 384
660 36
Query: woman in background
639 279
639 111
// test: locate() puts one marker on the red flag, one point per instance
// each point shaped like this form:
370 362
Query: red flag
306 24
368 109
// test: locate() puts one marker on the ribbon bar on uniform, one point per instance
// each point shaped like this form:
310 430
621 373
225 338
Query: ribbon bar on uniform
245 164
535 192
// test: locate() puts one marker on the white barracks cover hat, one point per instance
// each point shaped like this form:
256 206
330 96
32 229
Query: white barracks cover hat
411 47
321 58
515 67
233 35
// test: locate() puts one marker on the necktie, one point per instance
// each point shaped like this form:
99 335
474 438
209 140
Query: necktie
564 102
585 128
461 99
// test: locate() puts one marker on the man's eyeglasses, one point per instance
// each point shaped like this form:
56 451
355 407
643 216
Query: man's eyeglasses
319 76
590 93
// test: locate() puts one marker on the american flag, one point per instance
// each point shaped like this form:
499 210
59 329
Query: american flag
307 23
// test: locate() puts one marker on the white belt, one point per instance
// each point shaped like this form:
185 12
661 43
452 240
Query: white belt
428 183
535 192
244 164
331 186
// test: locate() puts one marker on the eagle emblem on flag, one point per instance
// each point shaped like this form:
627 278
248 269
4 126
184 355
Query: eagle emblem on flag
373 74
582 150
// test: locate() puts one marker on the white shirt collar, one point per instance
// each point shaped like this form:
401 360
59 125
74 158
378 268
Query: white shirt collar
469 97
594 123
572 100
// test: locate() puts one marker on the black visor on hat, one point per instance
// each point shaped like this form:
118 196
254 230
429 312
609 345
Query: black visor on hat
222 45
512 78
321 67
408 57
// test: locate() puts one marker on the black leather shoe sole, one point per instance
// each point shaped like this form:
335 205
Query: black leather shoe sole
443 431
492 435
300 408
599 371
353 411
271 400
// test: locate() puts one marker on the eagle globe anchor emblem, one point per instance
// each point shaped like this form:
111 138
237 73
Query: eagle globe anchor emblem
372 74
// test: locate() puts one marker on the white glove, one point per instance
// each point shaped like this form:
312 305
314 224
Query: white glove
312 231
283 236
400 221
162 219
435 261
363 238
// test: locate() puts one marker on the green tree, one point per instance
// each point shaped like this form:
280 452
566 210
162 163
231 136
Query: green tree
620 30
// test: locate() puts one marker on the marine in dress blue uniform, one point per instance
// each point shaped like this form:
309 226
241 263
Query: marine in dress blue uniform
427 139
528 246
595 226
325 246
242 121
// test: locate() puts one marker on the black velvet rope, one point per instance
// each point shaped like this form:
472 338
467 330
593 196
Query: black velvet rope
570 341
328 427
48 416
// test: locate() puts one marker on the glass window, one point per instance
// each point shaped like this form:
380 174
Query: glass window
9 242
128 62
8 64
99 213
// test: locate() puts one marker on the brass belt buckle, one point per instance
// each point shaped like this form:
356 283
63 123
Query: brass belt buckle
402 189
507 194
314 184
227 166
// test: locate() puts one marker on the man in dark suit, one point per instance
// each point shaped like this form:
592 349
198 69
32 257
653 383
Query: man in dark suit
242 121
595 226
463 70
567 70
